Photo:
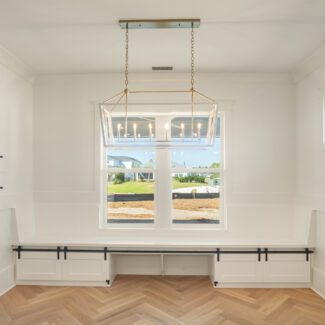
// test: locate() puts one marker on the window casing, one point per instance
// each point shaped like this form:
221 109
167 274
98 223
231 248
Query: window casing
323 124
157 190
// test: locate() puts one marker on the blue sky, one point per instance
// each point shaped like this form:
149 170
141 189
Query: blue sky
192 158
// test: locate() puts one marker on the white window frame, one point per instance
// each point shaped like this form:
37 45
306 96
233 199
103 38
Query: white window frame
161 220
221 171
323 123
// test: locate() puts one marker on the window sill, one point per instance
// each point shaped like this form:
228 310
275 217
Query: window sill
129 221
196 222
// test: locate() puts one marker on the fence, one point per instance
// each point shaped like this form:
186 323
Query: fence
150 197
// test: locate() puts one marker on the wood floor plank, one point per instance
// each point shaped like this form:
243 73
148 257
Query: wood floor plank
157 300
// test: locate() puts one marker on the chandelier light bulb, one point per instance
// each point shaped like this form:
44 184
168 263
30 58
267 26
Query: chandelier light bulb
119 131
150 131
182 128
199 130
166 128
134 131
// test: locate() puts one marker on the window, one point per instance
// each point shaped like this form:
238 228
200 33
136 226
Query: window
193 196
130 185
196 184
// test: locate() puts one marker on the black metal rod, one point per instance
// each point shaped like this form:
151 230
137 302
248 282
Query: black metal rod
159 251
218 251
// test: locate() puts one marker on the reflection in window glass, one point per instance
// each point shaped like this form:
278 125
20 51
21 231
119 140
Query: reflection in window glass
198 158
196 197
130 197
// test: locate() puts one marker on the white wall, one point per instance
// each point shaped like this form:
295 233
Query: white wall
310 171
261 142
16 146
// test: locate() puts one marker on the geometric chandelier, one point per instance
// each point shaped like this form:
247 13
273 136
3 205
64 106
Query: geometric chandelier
158 119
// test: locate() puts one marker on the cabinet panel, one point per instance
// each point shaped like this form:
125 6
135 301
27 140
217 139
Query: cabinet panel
38 266
287 268
238 268
85 267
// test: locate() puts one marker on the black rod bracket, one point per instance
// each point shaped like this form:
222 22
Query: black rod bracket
218 254
58 249
65 249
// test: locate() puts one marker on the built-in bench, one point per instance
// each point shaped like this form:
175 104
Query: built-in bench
227 265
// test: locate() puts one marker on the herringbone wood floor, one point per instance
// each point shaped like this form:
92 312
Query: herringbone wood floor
159 300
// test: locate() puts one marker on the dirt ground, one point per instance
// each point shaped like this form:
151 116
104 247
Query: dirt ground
195 205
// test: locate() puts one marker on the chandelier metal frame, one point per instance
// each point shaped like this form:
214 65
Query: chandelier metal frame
107 108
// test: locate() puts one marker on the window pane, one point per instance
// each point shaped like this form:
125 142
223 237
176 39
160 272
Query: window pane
197 158
130 197
196 197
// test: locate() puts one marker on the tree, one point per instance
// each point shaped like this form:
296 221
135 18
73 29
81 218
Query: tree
215 165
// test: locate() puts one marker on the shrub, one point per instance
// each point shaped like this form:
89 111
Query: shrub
192 179
117 181
119 178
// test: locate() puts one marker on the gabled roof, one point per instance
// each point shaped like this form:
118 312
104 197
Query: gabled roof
123 158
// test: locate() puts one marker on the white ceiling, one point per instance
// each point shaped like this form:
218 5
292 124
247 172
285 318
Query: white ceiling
54 36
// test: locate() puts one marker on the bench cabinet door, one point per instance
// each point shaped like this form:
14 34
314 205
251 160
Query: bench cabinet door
287 268
85 267
38 266
238 268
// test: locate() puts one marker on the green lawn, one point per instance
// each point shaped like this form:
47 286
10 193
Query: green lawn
131 187
144 187
177 184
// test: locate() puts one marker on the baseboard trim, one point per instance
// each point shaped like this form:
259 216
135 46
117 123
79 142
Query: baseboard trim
6 290
65 283
262 285
318 284
7 280
319 293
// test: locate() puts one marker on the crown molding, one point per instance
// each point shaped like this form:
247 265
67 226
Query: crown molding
11 62
310 64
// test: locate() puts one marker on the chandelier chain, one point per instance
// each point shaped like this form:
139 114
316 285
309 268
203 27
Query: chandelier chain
192 81
126 78
126 56
192 57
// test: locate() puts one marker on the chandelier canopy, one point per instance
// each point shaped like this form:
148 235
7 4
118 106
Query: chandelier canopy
161 119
